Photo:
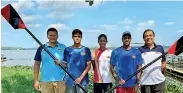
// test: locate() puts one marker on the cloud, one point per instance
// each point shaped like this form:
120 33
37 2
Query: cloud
60 27
169 23
60 15
149 24
95 31
64 5
127 21
106 27
34 25
21 5
127 27
180 31
29 18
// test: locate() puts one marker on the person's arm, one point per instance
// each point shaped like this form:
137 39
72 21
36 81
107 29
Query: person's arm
36 70
93 59
37 63
163 67
115 76
112 65
78 80
163 64
139 74
139 66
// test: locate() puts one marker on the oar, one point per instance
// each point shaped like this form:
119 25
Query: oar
10 14
175 49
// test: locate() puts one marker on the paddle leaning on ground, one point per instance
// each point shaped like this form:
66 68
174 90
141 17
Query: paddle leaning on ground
10 14
175 49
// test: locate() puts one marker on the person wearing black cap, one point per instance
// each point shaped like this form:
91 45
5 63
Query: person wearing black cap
126 60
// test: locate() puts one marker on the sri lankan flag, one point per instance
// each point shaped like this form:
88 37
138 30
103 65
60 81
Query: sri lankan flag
9 13
177 47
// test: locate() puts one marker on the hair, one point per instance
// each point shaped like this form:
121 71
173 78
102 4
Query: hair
52 29
102 35
75 31
148 30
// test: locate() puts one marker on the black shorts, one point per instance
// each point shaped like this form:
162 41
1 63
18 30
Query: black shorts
102 87
157 88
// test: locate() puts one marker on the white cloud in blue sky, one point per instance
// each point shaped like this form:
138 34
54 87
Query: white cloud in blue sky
109 17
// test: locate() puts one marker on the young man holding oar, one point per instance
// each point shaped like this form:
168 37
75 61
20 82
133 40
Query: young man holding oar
78 59
153 79
126 60
52 76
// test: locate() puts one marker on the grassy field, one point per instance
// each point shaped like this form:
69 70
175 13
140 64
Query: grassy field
19 79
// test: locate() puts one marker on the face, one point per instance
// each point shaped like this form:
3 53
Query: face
102 42
77 38
149 37
52 36
126 40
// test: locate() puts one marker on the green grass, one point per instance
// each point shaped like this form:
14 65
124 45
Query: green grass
19 79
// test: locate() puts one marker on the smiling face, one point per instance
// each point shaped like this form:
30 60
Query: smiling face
126 40
52 36
102 42
149 37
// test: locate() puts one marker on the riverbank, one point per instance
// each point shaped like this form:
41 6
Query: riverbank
19 79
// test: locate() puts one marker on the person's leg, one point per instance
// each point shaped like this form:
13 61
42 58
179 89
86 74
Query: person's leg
145 89
61 87
159 88
70 89
46 87
79 90
107 86
97 88
120 90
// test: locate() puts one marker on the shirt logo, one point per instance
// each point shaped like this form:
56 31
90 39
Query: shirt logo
83 53
133 57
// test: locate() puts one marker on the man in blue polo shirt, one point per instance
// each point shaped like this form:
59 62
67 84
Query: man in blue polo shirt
52 76
78 60
126 60
153 78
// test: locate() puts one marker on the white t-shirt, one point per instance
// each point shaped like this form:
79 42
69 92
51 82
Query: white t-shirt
104 67
152 74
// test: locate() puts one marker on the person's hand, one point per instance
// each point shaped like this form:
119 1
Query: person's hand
64 64
136 87
121 82
36 85
78 80
57 62
55 84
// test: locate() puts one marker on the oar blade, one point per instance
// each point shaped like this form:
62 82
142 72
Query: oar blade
177 47
10 14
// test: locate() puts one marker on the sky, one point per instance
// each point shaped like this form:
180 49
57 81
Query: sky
108 17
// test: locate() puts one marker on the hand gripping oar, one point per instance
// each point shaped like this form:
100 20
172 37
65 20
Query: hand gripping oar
175 49
10 14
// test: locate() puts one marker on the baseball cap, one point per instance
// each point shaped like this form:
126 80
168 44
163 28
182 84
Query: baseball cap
126 33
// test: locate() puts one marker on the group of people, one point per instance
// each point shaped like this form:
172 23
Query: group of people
118 63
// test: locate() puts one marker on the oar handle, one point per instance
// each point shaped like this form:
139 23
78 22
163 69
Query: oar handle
129 77
54 58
